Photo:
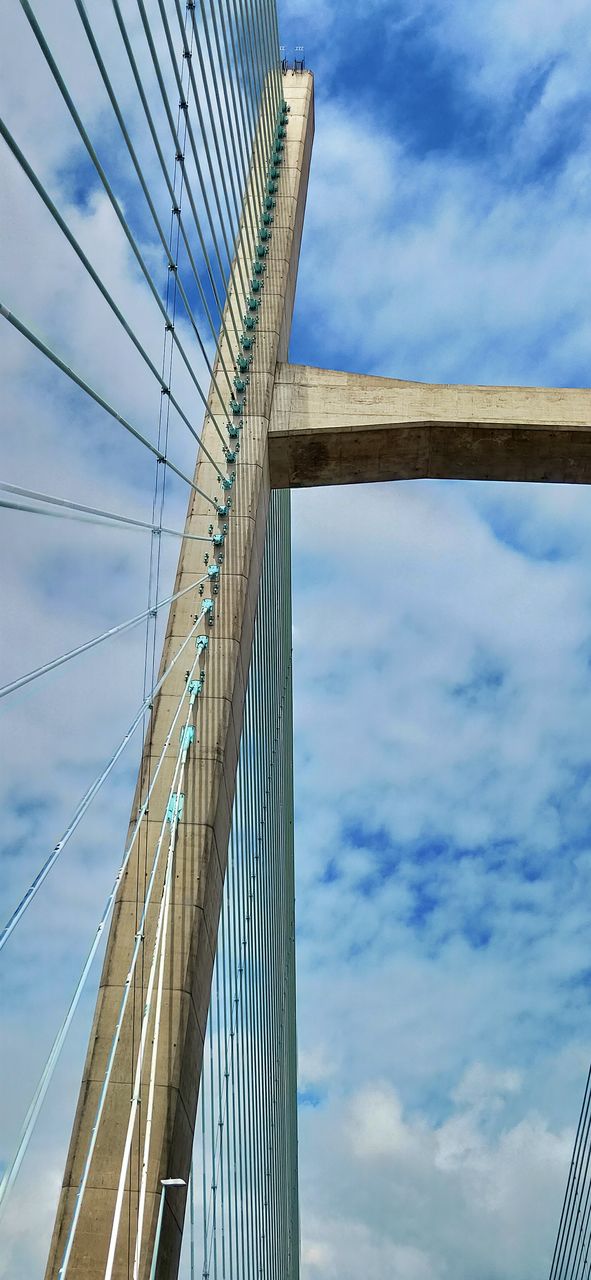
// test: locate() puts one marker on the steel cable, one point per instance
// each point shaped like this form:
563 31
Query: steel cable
109 518
60 364
13 685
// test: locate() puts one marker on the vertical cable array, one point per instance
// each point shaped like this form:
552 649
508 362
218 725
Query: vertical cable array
571 1259
244 1183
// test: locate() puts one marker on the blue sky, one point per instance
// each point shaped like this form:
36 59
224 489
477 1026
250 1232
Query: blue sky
442 638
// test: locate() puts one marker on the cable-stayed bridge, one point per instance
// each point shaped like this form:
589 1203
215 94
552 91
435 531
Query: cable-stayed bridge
186 1118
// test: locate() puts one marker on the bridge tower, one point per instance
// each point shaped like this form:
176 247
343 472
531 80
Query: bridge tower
245 598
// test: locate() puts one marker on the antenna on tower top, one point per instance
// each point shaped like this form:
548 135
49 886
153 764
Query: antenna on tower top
298 64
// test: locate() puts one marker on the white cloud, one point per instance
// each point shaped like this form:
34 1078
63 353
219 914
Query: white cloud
430 1201
376 1127
315 1066
430 268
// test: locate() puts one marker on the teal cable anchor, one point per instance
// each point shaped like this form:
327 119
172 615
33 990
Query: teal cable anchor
187 736
175 807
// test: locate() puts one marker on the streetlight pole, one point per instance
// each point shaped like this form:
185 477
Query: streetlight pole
164 1183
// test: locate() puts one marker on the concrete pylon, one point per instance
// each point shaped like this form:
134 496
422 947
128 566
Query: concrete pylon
209 792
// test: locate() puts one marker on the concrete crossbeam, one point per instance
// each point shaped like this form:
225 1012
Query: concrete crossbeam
329 427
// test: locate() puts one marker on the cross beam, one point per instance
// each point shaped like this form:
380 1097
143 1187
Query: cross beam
329 427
